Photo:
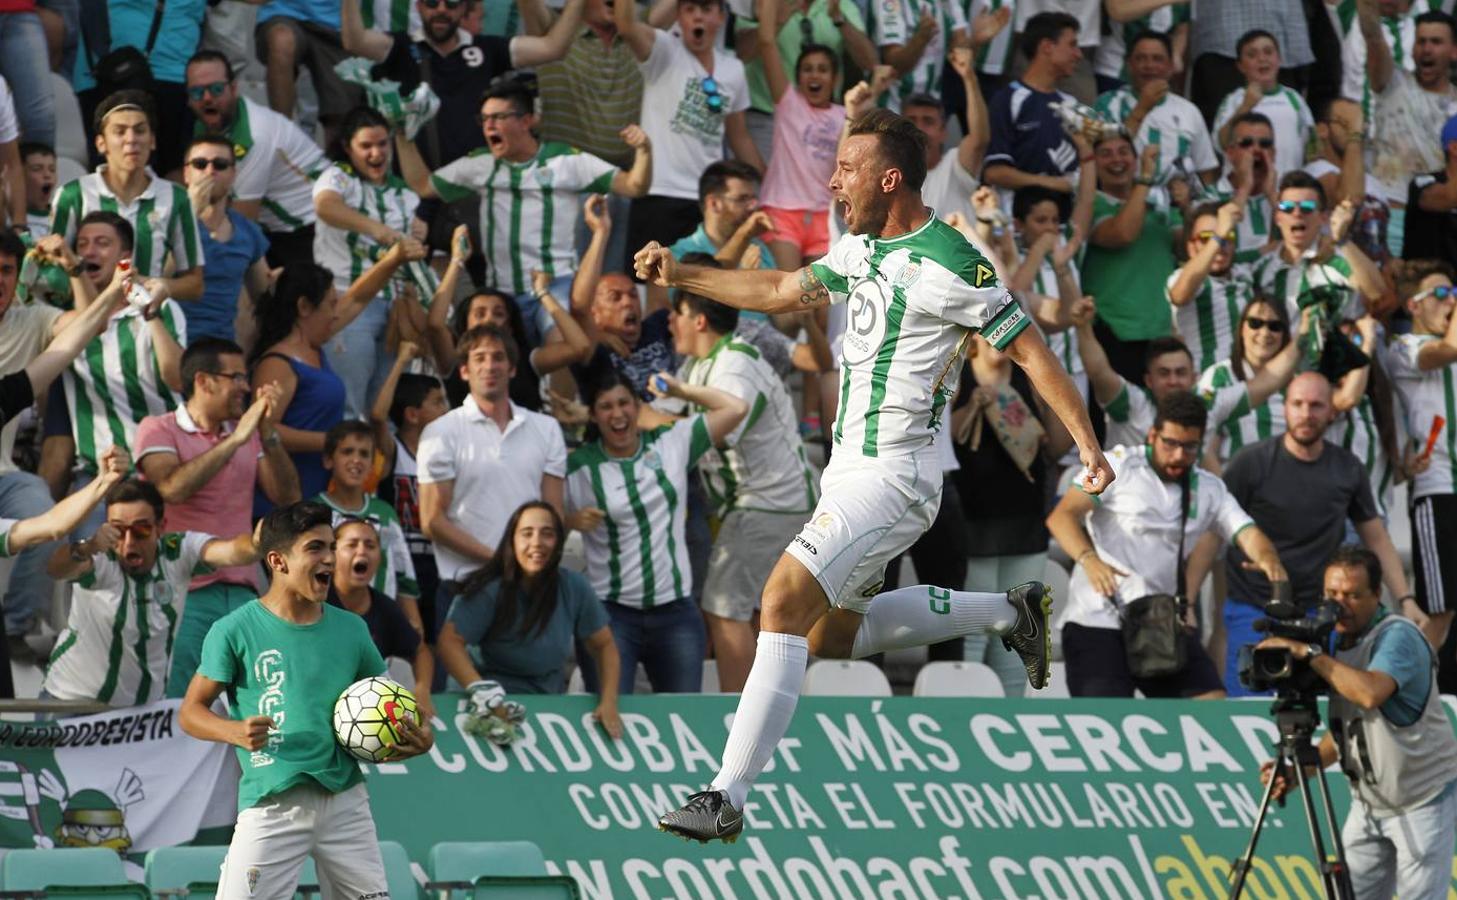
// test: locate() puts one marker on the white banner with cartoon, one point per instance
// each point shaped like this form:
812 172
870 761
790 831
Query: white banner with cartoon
129 779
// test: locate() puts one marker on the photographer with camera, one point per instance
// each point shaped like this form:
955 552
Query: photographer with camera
1125 627
1390 732
1301 490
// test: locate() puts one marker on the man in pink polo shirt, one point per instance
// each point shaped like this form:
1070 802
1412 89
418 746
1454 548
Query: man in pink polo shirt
205 459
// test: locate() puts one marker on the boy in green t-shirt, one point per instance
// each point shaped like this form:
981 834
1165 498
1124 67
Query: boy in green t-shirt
284 660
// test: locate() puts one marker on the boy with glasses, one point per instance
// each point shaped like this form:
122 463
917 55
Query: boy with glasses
1311 268
531 196
1259 62
234 246
276 161
1207 292
694 98
131 578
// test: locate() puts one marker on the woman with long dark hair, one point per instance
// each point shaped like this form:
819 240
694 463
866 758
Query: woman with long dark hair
294 320
524 612
1263 334
627 490
363 208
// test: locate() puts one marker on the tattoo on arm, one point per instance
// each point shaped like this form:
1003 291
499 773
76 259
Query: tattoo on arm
811 289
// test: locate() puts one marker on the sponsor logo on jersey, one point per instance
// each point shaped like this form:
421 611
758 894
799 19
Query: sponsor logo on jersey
865 329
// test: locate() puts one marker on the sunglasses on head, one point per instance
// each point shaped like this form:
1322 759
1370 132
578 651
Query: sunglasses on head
1206 236
1246 143
1274 325
1441 292
712 96
218 163
197 92
1305 206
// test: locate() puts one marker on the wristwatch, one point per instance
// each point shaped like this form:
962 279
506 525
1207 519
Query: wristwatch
78 551
1312 651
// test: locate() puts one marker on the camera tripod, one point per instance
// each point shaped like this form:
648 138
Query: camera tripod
1296 717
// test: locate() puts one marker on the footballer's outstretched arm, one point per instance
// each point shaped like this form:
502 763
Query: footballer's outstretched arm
765 290
1051 380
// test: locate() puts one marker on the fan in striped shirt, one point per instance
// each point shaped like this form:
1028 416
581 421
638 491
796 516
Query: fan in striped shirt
1259 63
158 211
1207 293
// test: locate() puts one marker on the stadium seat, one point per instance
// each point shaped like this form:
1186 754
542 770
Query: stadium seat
34 870
845 678
534 887
308 880
957 679
179 871
457 866
710 677
397 872
401 671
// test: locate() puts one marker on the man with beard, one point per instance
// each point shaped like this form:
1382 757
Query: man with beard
458 66
628 342
1301 490
1125 546
1250 176
205 459
276 160
915 288
130 577
1207 293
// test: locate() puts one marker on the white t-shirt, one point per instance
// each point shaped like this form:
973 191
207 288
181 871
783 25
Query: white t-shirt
687 134
277 163
1425 394
1135 529
9 123
1289 116
948 187
494 472
1089 14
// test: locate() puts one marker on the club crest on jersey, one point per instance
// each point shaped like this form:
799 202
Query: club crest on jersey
865 325
652 460
908 274
543 176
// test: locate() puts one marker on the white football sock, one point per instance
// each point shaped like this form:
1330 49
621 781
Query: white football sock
924 614
765 708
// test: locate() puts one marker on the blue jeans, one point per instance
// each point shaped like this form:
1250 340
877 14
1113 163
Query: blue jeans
358 355
25 63
204 607
1409 855
668 640
1239 630
23 495
535 317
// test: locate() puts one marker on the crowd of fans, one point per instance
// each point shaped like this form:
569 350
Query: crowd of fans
405 292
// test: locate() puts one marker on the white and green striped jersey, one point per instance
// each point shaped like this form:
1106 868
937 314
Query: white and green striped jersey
1426 394
913 302
117 646
638 556
347 253
1175 126
1131 413
1355 430
1207 324
5 526
1063 344
762 466
1111 60
1245 425
1290 117
391 16
995 56
1307 282
529 210
396 574
116 382
894 22
277 164
1254 231
1400 33
161 216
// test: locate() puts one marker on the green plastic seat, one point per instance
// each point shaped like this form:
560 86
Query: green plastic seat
34 870
171 871
124 891
465 861
398 874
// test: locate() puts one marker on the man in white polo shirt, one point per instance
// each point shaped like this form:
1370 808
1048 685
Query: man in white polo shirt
482 460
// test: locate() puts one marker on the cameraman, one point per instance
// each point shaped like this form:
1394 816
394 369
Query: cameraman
1125 544
1395 743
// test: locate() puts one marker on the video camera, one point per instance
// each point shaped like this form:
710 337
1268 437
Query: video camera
1276 668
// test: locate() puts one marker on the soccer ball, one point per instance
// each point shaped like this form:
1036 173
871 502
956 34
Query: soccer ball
367 716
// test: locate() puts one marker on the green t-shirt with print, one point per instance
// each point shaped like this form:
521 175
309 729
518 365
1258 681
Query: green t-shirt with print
293 673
